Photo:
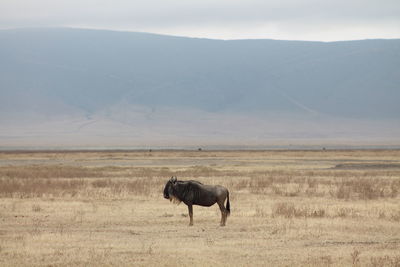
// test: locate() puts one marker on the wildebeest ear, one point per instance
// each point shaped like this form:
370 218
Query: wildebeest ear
173 179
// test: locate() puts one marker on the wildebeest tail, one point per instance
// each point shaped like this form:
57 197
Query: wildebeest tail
228 205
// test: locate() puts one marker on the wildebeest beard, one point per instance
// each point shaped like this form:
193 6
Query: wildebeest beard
174 200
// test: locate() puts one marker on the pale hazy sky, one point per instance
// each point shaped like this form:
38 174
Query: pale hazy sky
324 20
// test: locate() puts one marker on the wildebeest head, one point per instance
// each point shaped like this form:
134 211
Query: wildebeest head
168 191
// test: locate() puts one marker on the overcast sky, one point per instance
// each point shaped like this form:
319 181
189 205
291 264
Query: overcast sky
324 20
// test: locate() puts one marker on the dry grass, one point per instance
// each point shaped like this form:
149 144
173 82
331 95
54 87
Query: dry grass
289 210
303 208
47 171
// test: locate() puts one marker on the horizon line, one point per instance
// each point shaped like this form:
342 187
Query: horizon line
189 37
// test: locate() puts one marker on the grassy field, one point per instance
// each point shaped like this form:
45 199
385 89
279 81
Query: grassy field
288 208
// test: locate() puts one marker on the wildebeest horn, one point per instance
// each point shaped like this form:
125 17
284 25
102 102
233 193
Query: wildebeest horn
173 179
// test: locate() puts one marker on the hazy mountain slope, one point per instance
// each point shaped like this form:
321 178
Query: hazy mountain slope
90 69
146 81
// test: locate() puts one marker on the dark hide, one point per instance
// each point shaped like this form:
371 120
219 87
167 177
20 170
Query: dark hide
195 193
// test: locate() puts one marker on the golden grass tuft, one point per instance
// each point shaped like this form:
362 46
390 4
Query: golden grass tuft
392 261
290 210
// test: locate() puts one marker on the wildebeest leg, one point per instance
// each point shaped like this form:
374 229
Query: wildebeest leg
223 213
190 207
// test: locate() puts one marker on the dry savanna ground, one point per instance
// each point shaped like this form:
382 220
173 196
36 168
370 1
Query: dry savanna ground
301 208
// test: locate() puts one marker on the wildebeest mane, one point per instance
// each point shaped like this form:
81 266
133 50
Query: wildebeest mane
185 189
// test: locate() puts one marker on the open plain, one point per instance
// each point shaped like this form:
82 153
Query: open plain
288 208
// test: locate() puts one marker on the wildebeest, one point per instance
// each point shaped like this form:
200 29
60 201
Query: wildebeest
195 193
